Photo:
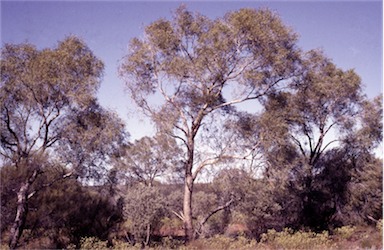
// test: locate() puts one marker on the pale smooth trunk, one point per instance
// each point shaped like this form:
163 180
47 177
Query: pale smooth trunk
21 211
187 208
147 238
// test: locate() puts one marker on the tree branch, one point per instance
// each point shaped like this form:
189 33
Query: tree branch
329 143
180 215
65 176
205 163
219 208
298 143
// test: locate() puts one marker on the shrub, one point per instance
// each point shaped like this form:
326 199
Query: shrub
244 243
219 242
4 246
92 243
288 239
170 243
118 244
143 210
223 242
379 226
345 232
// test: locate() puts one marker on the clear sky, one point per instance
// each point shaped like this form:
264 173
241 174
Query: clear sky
348 32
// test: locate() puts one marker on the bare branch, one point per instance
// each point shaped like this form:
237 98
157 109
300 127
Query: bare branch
65 176
13 133
219 208
180 215
298 143
207 162
328 144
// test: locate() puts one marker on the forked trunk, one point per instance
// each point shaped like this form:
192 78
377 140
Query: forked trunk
21 211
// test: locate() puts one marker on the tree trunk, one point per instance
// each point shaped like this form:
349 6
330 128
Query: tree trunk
147 238
187 207
21 211
188 187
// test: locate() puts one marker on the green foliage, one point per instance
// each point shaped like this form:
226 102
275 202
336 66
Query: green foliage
222 242
62 213
171 222
170 243
143 209
4 246
366 191
203 203
117 244
93 137
313 140
149 158
288 239
92 243
191 62
379 226
345 232
39 88
50 119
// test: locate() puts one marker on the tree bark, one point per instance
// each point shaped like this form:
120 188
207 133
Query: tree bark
187 207
21 211
188 187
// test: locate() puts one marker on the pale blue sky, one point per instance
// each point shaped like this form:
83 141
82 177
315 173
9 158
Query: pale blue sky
349 32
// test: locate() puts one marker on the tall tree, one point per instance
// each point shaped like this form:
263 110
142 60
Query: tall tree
41 92
301 128
201 67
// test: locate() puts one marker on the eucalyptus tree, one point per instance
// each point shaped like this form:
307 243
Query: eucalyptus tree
324 119
91 138
149 158
201 68
43 93
143 210
144 161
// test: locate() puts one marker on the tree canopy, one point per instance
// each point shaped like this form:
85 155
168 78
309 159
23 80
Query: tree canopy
48 103
301 158
192 62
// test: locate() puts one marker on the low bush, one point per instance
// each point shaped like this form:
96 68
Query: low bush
92 243
288 239
345 232
222 242
170 243
118 244
4 246
346 237
379 226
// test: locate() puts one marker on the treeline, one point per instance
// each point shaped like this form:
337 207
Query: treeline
136 214
301 155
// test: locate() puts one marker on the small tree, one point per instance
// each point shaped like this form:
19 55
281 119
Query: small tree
194 63
143 210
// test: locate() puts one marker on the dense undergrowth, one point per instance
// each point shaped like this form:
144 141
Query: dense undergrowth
346 237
